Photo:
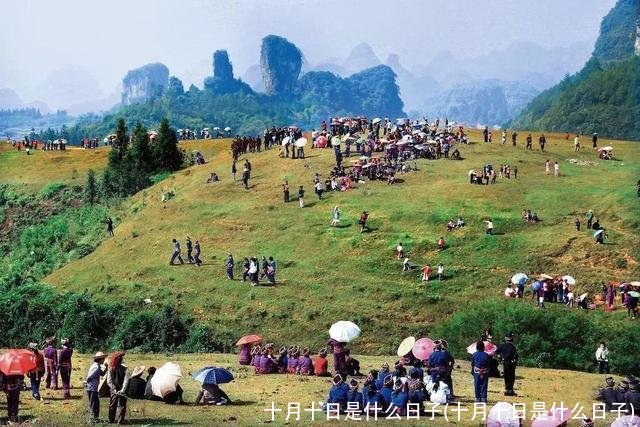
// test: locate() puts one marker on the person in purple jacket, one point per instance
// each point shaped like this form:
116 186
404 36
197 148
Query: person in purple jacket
339 357
64 365
256 352
266 362
51 363
292 360
245 354
305 365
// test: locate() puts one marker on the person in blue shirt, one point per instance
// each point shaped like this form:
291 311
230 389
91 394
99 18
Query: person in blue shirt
384 371
417 369
338 393
355 402
374 400
369 382
417 393
438 361
386 391
480 362
400 397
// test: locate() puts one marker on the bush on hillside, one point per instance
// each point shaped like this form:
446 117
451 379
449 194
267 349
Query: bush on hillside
555 337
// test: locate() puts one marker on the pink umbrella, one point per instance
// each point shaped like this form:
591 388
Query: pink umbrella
489 348
553 418
423 348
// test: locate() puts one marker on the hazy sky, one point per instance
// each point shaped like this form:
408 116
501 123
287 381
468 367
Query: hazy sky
107 38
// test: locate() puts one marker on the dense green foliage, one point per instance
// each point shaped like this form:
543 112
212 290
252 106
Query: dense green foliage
549 338
603 99
618 32
133 160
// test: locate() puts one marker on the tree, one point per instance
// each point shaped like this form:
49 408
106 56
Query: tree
167 155
91 188
139 160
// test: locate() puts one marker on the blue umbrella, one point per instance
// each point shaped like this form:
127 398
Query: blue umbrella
519 279
213 375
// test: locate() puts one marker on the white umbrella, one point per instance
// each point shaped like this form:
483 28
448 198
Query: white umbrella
335 141
519 279
376 120
344 331
216 128
569 279
286 140
607 148
166 379
205 129
634 284
227 129
301 142
583 296
626 421
406 346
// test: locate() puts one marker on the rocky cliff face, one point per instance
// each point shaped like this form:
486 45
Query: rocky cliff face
280 63
618 32
139 84
222 81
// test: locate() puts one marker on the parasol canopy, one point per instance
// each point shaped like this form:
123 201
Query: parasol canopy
344 331
227 129
406 346
166 379
301 142
519 279
213 375
249 339
569 279
17 362
489 348
423 348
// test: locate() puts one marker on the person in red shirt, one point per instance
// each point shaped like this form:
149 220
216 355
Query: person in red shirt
321 366
441 243
426 271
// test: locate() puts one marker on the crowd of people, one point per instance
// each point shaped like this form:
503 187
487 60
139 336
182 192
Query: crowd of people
488 174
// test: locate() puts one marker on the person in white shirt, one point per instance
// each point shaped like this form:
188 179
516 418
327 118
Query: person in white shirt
400 250
509 292
406 266
602 357
440 271
438 391
96 370
556 169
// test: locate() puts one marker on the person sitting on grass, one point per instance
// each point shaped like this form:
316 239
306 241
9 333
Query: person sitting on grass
305 365
355 400
441 244
321 365
451 225
213 178
338 393
460 223
509 292
353 364
212 394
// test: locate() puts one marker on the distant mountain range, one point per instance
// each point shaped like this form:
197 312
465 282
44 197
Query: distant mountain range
604 96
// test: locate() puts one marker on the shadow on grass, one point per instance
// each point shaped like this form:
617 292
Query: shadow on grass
59 398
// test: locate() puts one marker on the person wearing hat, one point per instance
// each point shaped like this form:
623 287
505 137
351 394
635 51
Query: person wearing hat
480 365
305 365
352 364
282 360
137 384
509 355
382 374
266 362
293 358
355 401
339 357
632 397
229 266
51 363
118 380
64 366
400 397
321 365
338 392
35 375
91 384
608 395
386 391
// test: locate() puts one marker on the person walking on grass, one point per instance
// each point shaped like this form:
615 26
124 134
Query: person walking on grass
578 223
35 375
91 385
64 366
440 271
234 170
335 217
364 216
196 254
245 178
589 216
301 196
546 167
229 266
109 223
509 355
426 271
556 169
176 253
602 357
285 191
480 362
189 250
319 189
576 144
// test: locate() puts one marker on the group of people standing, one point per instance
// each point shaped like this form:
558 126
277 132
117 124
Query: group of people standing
194 252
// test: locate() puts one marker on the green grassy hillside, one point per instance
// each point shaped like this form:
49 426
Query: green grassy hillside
326 274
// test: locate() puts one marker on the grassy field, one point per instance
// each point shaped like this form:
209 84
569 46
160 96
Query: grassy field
253 394
328 273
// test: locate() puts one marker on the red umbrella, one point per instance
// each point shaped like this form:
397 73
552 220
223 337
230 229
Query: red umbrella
17 362
489 348
249 339
423 348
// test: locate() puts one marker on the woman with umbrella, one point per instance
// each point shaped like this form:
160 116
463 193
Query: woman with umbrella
14 364
210 392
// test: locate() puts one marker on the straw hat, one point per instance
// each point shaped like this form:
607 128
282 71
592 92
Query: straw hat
138 370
